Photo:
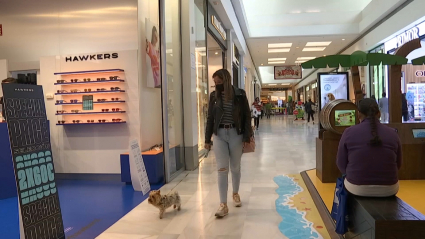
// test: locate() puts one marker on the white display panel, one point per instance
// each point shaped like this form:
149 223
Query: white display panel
415 96
333 86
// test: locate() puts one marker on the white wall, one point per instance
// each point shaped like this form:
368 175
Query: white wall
408 16
91 148
32 29
150 98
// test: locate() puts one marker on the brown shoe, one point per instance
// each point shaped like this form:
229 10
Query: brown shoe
237 200
222 211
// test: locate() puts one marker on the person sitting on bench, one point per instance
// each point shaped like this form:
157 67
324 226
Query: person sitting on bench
370 155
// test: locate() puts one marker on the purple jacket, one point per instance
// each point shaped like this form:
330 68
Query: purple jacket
367 165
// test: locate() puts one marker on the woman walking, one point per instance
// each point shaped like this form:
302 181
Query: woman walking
256 109
229 119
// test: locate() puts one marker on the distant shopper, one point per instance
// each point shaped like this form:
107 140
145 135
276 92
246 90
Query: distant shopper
383 106
268 107
309 109
370 155
404 108
229 120
256 109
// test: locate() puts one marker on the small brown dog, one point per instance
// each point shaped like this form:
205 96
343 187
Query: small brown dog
165 201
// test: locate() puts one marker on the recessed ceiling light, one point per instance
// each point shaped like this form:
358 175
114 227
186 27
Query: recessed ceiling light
276 62
279 50
216 53
314 48
277 59
285 84
298 47
306 58
272 84
262 64
343 39
322 43
312 11
278 45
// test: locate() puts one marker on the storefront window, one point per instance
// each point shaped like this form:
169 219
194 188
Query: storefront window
174 87
201 71
378 83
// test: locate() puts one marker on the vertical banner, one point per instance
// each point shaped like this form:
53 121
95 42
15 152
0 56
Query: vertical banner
29 137
139 176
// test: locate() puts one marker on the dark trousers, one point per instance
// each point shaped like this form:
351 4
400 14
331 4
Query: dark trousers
257 121
310 114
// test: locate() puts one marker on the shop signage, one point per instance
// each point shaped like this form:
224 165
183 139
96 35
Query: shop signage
278 89
287 72
92 57
139 176
420 73
410 34
218 26
29 137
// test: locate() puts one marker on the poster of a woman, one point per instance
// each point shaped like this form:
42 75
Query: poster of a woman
152 55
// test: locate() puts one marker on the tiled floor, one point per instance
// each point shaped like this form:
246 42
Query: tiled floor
283 147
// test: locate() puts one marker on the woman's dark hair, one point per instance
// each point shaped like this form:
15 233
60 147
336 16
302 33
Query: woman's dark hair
370 109
227 83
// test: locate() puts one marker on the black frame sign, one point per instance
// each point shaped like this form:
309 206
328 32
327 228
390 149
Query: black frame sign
29 137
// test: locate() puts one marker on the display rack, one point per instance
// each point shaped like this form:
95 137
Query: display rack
69 117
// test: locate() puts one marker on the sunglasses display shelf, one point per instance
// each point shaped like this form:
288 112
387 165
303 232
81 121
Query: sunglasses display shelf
107 100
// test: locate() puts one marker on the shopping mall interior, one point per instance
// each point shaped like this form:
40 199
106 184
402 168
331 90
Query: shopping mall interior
117 119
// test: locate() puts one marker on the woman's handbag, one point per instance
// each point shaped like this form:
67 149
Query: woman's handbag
250 147
339 207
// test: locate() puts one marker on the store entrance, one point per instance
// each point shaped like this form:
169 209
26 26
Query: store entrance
216 59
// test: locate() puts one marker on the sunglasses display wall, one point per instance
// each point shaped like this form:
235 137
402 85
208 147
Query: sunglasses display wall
108 90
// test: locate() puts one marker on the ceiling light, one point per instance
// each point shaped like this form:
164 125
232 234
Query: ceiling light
277 45
313 11
306 58
272 84
279 50
343 39
216 53
277 59
314 48
285 84
262 64
324 55
276 62
322 43
298 47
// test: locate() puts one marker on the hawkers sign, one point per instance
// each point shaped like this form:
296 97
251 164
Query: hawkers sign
217 24
91 57
406 36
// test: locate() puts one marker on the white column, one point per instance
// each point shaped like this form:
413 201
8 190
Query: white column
229 52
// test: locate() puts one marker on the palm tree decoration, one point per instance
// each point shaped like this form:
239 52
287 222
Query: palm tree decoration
358 58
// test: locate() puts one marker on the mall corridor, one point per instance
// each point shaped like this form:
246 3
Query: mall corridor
283 147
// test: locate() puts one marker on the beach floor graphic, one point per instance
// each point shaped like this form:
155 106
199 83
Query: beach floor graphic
301 219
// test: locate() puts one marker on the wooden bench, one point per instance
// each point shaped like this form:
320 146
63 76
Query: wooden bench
383 218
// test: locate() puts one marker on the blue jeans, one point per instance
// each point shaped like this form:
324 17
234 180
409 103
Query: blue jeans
228 148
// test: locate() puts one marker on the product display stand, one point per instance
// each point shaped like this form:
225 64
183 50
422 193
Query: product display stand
105 97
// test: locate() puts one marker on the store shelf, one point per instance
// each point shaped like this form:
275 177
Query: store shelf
122 122
92 92
104 102
89 82
93 113
88 72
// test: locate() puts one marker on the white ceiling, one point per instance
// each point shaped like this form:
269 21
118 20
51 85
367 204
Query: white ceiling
302 21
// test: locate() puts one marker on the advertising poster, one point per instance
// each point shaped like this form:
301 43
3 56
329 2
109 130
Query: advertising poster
287 72
333 86
345 117
139 176
29 137
153 56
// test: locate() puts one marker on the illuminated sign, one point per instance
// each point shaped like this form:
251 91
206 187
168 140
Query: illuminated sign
406 36
217 24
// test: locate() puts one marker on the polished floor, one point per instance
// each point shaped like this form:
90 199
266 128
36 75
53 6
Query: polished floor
283 147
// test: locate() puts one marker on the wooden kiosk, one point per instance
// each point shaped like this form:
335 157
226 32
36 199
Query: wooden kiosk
413 167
